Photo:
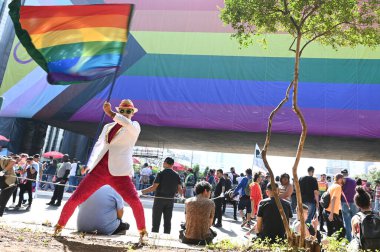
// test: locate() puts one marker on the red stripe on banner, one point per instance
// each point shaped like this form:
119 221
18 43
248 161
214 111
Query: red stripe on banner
43 25
30 12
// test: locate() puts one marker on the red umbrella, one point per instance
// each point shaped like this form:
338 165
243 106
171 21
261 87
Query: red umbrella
136 161
179 167
3 138
54 154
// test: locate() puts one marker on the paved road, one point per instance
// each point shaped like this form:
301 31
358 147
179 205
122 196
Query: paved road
41 213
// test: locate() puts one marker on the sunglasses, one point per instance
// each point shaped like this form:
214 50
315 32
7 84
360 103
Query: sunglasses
126 111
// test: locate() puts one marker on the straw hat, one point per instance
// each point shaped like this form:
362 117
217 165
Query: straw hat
127 104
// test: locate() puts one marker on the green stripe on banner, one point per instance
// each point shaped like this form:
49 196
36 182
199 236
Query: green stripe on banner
257 68
221 44
87 49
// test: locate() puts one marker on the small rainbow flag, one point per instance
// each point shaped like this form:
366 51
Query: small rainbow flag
74 43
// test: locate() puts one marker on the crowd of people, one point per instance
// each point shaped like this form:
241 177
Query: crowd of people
28 173
342 211
344 204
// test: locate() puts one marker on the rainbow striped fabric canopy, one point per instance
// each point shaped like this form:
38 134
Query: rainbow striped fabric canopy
73 43
182 69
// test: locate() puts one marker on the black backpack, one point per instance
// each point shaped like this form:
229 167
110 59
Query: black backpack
369 230
325 200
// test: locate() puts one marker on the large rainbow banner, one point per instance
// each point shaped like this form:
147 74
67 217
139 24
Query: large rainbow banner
74 43
183 70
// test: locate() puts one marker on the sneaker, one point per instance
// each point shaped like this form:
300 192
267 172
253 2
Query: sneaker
143 237
235 218
243 223
57 230
217 225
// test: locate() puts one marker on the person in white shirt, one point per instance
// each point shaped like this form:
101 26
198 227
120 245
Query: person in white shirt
73 179
144 176
111 164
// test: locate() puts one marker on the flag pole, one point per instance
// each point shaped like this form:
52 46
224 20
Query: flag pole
100 125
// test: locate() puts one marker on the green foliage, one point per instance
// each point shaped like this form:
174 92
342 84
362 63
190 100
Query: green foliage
372 175
196 170
254 245
330 22
333 244
205 172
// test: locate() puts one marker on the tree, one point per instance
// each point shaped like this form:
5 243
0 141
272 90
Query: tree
332 23
196 170
372 175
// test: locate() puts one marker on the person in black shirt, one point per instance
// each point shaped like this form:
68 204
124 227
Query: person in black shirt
219 198
310 193
166 185
269 223
228 186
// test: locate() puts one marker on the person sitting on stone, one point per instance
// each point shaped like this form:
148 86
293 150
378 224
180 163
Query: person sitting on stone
269 223
199 212
102 212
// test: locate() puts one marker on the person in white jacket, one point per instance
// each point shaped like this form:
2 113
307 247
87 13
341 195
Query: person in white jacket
111 163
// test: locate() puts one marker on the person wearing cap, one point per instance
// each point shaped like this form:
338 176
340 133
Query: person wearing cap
7 181
349 208
310 193
111 163
166 185
332 213
28 174
377 196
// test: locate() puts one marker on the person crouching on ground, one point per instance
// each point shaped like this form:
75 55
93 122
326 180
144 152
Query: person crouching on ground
311 229
7 181
102 213
199 213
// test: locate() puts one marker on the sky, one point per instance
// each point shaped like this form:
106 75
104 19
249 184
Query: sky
278 164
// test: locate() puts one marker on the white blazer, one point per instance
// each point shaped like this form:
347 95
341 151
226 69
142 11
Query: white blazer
120 150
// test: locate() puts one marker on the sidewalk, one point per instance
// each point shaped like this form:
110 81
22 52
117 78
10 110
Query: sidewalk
40 214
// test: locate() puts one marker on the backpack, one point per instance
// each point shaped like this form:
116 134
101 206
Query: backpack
247 189
369 230
325 200
78 171
190 180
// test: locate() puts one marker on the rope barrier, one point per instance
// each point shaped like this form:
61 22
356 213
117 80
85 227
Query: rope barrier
58 184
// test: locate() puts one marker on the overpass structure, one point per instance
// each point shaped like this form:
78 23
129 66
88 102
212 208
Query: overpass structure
195 89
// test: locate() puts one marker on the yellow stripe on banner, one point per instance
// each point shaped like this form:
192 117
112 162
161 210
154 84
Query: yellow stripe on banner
79 35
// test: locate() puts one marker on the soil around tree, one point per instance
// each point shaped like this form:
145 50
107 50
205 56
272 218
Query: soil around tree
25 239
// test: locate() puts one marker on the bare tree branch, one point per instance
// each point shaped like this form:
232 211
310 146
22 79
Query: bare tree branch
290 47
264 156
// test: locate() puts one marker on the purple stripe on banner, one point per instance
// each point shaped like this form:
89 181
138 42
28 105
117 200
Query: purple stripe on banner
185 21
327 122
203 5
55 77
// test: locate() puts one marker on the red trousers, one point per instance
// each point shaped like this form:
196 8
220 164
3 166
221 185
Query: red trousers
97 178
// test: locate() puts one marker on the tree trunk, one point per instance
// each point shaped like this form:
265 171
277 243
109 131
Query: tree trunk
264 156
301 142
